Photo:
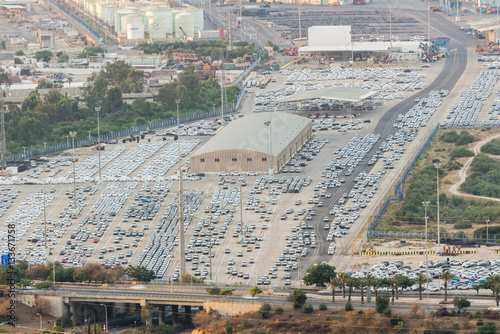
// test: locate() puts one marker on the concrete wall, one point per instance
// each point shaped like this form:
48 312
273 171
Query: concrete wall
228 308
55 304
329 35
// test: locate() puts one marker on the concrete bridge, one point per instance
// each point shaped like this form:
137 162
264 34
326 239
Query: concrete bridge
83 303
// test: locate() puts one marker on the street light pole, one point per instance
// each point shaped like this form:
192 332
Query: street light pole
426 204
268 124
73 135
487 232
41 321
106 313
210 256
182 264
24 154
98 109
438 165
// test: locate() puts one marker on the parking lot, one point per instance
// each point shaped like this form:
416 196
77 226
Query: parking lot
312 211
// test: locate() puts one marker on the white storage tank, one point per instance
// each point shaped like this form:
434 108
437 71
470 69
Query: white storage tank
110 17
198 18
135 30
185 21
118 19
157 28
131 18
174 13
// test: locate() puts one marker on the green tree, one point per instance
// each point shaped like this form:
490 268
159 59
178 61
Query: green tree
350 284
298 298
381 303
333 284
19 53
140 273
372 282
63 58
421 280
134 83
319 274
17 60
461 303
493 283
361 285
113 101
146 313
116 73
213 291
343 277
446 277
94 91
4 78
226 292
44 84
44 55
254 291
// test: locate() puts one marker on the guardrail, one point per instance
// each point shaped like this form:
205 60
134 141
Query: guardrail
398 190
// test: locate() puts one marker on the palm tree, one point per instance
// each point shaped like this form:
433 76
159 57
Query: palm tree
493 283
371 281
342 281
421 279
334 282
446 276
351 283
361 283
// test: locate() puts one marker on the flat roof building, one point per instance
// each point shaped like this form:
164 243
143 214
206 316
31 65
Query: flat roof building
253 143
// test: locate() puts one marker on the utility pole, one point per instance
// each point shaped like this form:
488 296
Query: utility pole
44 211
487 232
210 230
3 145
268 125
257 37
229 28
300 24
98 109
390 23
182 263
73 134
438 165
426 204
241 194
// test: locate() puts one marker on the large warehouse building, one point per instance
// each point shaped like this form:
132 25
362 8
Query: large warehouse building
243 145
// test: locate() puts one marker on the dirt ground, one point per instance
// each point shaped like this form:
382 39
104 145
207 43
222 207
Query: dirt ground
27 319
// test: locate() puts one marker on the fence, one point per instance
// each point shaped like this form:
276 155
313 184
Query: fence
398 190
95 33
433 235
125 133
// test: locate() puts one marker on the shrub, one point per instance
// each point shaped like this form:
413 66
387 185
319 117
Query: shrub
308 309
488 328
278 310
455 325
298 298
388 312
323 307
480 322
348 307
455 165
381 303
265 307
462 225
461 152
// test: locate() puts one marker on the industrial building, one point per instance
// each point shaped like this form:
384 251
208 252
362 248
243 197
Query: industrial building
260 142
337 42
136 21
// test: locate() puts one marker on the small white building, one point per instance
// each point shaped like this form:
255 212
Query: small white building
337 42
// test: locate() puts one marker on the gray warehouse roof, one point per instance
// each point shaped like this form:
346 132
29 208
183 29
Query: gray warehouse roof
251 133
334 93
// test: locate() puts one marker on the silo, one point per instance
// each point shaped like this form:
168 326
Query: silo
135 30
174 13
185 21
157 28
110 18
118 19
131 18
198 18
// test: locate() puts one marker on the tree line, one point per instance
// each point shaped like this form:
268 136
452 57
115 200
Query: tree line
51 116
90 273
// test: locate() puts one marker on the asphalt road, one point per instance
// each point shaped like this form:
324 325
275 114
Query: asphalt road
453 69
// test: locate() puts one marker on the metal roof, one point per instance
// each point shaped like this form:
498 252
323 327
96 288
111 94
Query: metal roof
484 25
251 133
333 93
